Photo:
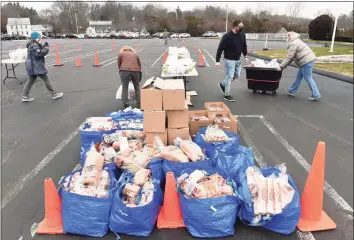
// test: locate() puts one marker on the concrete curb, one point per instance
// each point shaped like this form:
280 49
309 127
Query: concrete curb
337 76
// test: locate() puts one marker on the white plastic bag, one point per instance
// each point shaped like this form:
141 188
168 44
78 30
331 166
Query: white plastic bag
131 92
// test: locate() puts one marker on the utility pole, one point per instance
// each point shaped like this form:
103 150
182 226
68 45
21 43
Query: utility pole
334 32
77 27
177 21
227 14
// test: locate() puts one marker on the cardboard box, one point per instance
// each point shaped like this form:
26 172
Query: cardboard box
151 94
154 121
172 134
173 97
195 126
150 137
217 104
178 118
227 126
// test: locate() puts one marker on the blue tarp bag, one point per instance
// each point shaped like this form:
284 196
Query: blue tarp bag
130 114
156 168
178 167
210 217
229 147
91 137
238 163
85 215
284 222
137 221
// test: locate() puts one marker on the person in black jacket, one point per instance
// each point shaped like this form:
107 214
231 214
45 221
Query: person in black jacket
232 44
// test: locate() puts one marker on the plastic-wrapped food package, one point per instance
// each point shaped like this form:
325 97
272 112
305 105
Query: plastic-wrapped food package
132 160
199 185
270 194
99 124
215 109
129 134
191 149
198 118
262 64
92 169
222 119
135 144
141 176
171 153
215 134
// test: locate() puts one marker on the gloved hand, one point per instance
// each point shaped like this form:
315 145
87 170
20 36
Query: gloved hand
217 64
46 44
247 60
278 68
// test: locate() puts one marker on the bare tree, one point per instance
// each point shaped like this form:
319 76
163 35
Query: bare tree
294 13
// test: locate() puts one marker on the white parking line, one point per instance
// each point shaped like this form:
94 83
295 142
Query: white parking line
328 189
109 60
69 51
157 59
210 55
259 159
81 56
19 185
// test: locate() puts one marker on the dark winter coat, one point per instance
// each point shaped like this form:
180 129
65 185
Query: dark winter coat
35 63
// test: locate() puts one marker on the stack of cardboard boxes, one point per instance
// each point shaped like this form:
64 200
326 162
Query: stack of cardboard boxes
161 99
211 112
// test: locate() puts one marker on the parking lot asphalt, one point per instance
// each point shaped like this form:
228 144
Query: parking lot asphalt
40 139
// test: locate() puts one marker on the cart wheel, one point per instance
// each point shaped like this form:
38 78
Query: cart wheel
274 92
263 92
254 91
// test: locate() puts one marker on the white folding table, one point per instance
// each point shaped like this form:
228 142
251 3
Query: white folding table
14 64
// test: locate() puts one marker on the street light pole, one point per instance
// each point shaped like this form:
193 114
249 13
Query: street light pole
227 13
77 28
334 32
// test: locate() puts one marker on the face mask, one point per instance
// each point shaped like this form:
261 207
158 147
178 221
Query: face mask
240 29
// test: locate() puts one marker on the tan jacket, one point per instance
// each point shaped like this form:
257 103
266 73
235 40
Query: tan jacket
129 61
299 52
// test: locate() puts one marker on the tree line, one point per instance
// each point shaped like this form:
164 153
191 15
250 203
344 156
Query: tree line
155 18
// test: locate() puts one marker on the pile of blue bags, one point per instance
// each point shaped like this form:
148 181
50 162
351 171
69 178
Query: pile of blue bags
206 218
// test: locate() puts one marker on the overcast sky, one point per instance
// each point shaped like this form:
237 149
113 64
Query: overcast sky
308 9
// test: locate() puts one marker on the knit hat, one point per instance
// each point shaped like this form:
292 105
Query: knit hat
35 35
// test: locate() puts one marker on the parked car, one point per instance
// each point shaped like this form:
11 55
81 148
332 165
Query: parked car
184 35
144 35
210 34
134 35
7 37
70 35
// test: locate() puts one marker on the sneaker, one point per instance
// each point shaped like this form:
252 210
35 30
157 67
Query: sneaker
313 98
57 95
234 79
27 99
229 98
290 93
222 88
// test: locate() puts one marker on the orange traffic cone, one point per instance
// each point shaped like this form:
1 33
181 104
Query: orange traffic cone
97 62
164 57
78 62
201 60
313 218
114 47
57 59
52 223
248 50
137 47
170 215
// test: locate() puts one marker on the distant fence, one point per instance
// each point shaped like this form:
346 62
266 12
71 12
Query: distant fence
272 36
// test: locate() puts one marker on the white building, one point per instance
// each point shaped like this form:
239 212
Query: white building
101 26
18 26
42 29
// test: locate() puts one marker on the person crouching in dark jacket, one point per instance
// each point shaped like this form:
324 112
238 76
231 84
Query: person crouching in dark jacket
35 67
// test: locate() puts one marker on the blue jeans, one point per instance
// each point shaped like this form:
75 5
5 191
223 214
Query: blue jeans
233 71
306 73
